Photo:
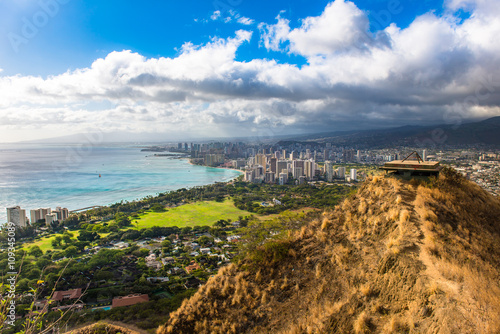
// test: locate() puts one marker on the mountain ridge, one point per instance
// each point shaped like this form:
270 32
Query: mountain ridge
485 132
396 257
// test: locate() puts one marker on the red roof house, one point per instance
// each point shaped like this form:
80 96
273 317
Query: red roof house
69 294
129 300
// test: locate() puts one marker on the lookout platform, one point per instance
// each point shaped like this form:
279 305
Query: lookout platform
410 168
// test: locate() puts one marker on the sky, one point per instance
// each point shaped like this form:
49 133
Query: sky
174 70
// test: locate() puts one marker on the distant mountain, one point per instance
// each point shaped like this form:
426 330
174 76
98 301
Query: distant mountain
486 132
397 257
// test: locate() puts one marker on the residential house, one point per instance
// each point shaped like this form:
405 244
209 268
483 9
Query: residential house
129 300
192 266
67 295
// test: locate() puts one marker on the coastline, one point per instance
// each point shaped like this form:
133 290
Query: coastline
226 168
129 176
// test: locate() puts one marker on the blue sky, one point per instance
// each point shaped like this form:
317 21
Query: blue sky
81 31
170 69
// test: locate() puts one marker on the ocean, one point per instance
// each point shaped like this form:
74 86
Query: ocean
35 176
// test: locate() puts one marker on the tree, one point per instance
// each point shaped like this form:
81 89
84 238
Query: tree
88 236
56 242
104 275
221 223
158 208
71 251
66 237
23 284
35 251
42 263
204 240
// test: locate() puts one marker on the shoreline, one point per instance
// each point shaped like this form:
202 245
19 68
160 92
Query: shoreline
31 205
226 168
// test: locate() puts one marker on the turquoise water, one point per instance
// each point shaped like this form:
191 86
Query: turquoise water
34 176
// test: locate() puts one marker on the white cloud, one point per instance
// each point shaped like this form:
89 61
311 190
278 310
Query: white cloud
273 35
215 15
245 21
435 67
341 26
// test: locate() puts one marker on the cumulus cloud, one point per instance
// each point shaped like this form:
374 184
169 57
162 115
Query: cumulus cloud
341 27
273 35
436 69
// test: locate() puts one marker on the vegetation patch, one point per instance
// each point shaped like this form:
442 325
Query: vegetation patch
204 213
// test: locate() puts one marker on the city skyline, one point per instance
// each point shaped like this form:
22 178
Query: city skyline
234 68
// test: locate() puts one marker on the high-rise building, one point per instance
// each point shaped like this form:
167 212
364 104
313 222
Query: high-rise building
214 159
283 154
298 168
248 176
424 155
259 171
270 177
281 165
297 172
326 154
274 165
294 155
50 218
239 163
348 155
309 169
353 174
17 216
261 160
277 154
44 212
61 213
341 173
283 178
358 156
35 216
330 173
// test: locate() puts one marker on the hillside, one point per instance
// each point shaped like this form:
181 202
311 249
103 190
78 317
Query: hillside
395 258
475 133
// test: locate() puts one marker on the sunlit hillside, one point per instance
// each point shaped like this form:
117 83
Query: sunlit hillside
398 257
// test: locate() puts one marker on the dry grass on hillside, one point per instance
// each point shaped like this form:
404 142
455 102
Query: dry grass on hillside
395 258
106 328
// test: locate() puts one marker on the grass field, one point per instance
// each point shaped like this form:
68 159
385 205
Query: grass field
193 214
45 243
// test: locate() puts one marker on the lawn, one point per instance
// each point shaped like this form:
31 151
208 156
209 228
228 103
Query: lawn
45 243
193 214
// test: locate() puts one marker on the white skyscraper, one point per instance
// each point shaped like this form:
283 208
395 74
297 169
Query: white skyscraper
309 169
17 216
424 155
50 218
35 216
353 174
